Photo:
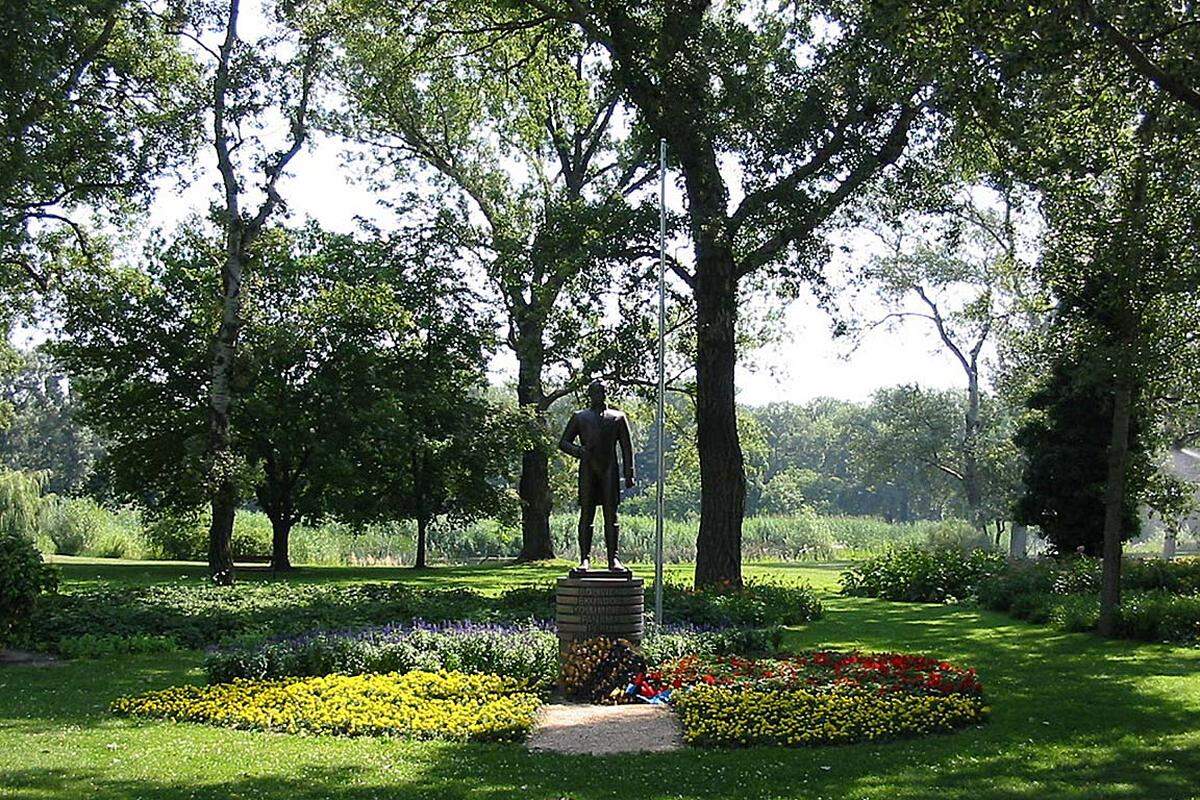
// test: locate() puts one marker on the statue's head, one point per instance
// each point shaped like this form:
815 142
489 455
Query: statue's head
597 393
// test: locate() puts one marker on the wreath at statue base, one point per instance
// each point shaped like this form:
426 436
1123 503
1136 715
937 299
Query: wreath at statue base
813 698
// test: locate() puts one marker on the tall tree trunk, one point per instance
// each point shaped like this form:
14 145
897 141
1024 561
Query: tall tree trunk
1114 503
537 543
1018 542
220 451
281 530
971 454
722 471
534 487
220 534
1170 542
422 536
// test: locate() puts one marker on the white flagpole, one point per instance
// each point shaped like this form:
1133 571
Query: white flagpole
662 310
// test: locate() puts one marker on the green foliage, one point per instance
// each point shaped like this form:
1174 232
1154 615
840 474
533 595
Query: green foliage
95 101
923 574
44 434
73 524
359 359
1065 443
1155 616
20 503
676 641
756 604
177 535
198 615
23 577
92 645
420 705
1025 587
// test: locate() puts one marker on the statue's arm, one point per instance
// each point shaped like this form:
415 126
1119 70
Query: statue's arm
626 441
567 442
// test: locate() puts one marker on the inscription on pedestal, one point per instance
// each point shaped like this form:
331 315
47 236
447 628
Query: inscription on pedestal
600 603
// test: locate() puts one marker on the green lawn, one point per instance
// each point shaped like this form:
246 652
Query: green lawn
1073 716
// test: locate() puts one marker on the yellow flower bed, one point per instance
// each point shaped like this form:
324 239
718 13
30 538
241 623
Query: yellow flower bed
754 715
421 705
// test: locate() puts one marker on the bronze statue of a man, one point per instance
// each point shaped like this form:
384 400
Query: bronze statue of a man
600 431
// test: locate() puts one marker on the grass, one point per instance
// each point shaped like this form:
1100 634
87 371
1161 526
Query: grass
1073 716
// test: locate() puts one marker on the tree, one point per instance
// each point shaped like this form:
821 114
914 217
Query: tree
1113 159
1158 40
811 103
522 129
1065 443
94 104
334 324
44 434
330 323
961 273
428 443
247 82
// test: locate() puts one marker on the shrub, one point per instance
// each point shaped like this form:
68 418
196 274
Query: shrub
676 641
525 652
725 716
1181 576
176 536
71 523
1155 616
23 577
419 705
197 615
923 575
757 604
1159 616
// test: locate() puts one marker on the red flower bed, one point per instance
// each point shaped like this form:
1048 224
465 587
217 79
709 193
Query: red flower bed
880 672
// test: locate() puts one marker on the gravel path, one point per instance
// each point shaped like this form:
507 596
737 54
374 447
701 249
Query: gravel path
576 729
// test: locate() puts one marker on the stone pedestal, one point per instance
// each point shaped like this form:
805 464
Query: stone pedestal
599 603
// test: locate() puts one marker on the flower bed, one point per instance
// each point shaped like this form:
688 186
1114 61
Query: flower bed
818 697
525 651
727 716
419 705
815 698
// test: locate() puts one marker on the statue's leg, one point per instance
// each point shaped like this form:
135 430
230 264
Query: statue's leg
587 515
612 531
